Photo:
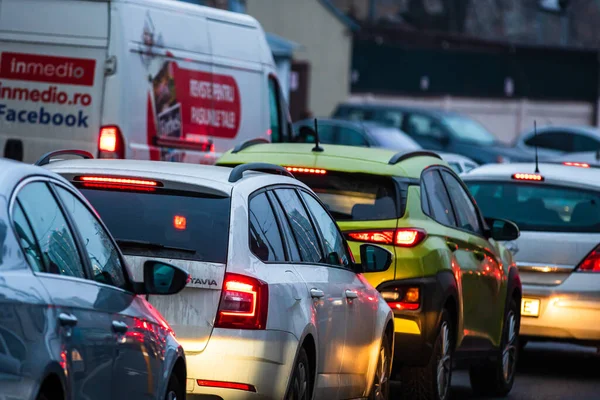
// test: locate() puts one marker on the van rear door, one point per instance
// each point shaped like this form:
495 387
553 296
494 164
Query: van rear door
52 55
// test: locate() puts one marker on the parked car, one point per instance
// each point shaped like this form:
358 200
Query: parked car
72 325
437 130
452 288
553 141
558 253
135 79
276 307
350 133
585 158
460 164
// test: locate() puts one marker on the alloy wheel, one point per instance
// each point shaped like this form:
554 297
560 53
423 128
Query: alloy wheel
171 395
444 366
381 375
509 353
300 384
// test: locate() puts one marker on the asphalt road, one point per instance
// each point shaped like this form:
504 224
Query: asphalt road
546 371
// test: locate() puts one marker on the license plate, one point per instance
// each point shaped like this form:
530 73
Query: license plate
530 307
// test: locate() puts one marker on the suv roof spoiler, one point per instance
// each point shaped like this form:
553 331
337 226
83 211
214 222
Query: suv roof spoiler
238 172
405 155
48 156
248 143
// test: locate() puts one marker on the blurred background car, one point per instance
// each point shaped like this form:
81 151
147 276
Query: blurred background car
353 133
585 157
73 325
558 212
552 141
276 306
460 164
437 130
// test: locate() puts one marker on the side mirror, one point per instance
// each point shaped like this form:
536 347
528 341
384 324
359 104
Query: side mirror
162 278
374 258
502 229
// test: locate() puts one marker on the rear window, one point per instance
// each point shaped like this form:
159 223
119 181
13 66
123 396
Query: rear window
355 197
196 224
535 207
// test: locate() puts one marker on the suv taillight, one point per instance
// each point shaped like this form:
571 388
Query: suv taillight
244 303
591 263
402 237
110 143
402 297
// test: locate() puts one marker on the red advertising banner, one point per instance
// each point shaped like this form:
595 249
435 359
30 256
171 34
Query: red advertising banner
193 104
49 69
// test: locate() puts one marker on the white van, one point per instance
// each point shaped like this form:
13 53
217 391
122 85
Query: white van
140 79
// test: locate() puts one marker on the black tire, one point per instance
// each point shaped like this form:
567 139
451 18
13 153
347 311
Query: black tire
301 381
491 378
381 382
421 383
41 396
174 391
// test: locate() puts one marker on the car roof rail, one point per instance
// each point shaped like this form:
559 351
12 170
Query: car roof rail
405 155
238 171
249 143
48 156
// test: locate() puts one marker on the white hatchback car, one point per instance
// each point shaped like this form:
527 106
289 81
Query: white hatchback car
276 307
558 253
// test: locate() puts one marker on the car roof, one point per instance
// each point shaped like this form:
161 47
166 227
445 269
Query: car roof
210 176
12 172
341 122
582 129
552 173
333 157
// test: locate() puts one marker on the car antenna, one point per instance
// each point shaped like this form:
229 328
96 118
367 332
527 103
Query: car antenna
537 168
317 147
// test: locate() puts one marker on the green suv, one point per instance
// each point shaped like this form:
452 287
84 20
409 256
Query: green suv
455 291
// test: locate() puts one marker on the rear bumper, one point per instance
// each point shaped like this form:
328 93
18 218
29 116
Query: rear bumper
263 359
568 312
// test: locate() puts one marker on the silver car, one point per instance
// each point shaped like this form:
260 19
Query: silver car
72 325
558 252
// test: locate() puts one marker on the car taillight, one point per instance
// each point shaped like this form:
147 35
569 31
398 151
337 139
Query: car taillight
110 143
591 263
304 170
226 385
244 303
402 237
576 164
113 182
402 297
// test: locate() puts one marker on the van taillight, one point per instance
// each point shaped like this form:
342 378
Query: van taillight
110 143
591 263
244 303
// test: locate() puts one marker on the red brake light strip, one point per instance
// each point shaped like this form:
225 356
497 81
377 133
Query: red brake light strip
528 177
576 164
304 170
118 181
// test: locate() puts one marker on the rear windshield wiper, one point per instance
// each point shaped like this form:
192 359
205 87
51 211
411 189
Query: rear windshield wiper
150 245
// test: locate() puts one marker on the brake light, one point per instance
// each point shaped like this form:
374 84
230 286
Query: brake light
110 143
403 237
402 298
576 164
591 262
244 303
528 177
118 181
180 222
226 385
304 170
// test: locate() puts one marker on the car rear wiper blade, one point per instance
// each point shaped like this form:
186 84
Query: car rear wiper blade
150 245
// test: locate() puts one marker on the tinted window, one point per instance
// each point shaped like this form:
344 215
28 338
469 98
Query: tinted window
455 166
466 212
423 126
50 227
335 248
534 207
392 118
304 233
394 139
439 202
351 137
104 257
265 239
27 240
469 130
326 133
355 197
276 134
584 143
359 114
290 241
552 140
196 224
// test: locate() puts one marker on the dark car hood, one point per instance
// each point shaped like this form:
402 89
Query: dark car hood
485 154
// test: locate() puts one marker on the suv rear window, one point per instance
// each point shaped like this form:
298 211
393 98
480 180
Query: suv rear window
196 224
535 207
355 197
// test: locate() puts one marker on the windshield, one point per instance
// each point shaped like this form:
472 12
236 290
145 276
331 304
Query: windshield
196 224
355 197
539 208
394 139
469 130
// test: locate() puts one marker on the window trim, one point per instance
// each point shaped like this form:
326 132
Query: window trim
469 196
84 202
280 118
279 228
426 192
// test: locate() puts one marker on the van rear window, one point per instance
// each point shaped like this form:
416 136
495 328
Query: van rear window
188 225
355 197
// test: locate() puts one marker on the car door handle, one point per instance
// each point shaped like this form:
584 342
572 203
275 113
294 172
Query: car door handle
351 294
119 327
67 319
316 293
451 245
